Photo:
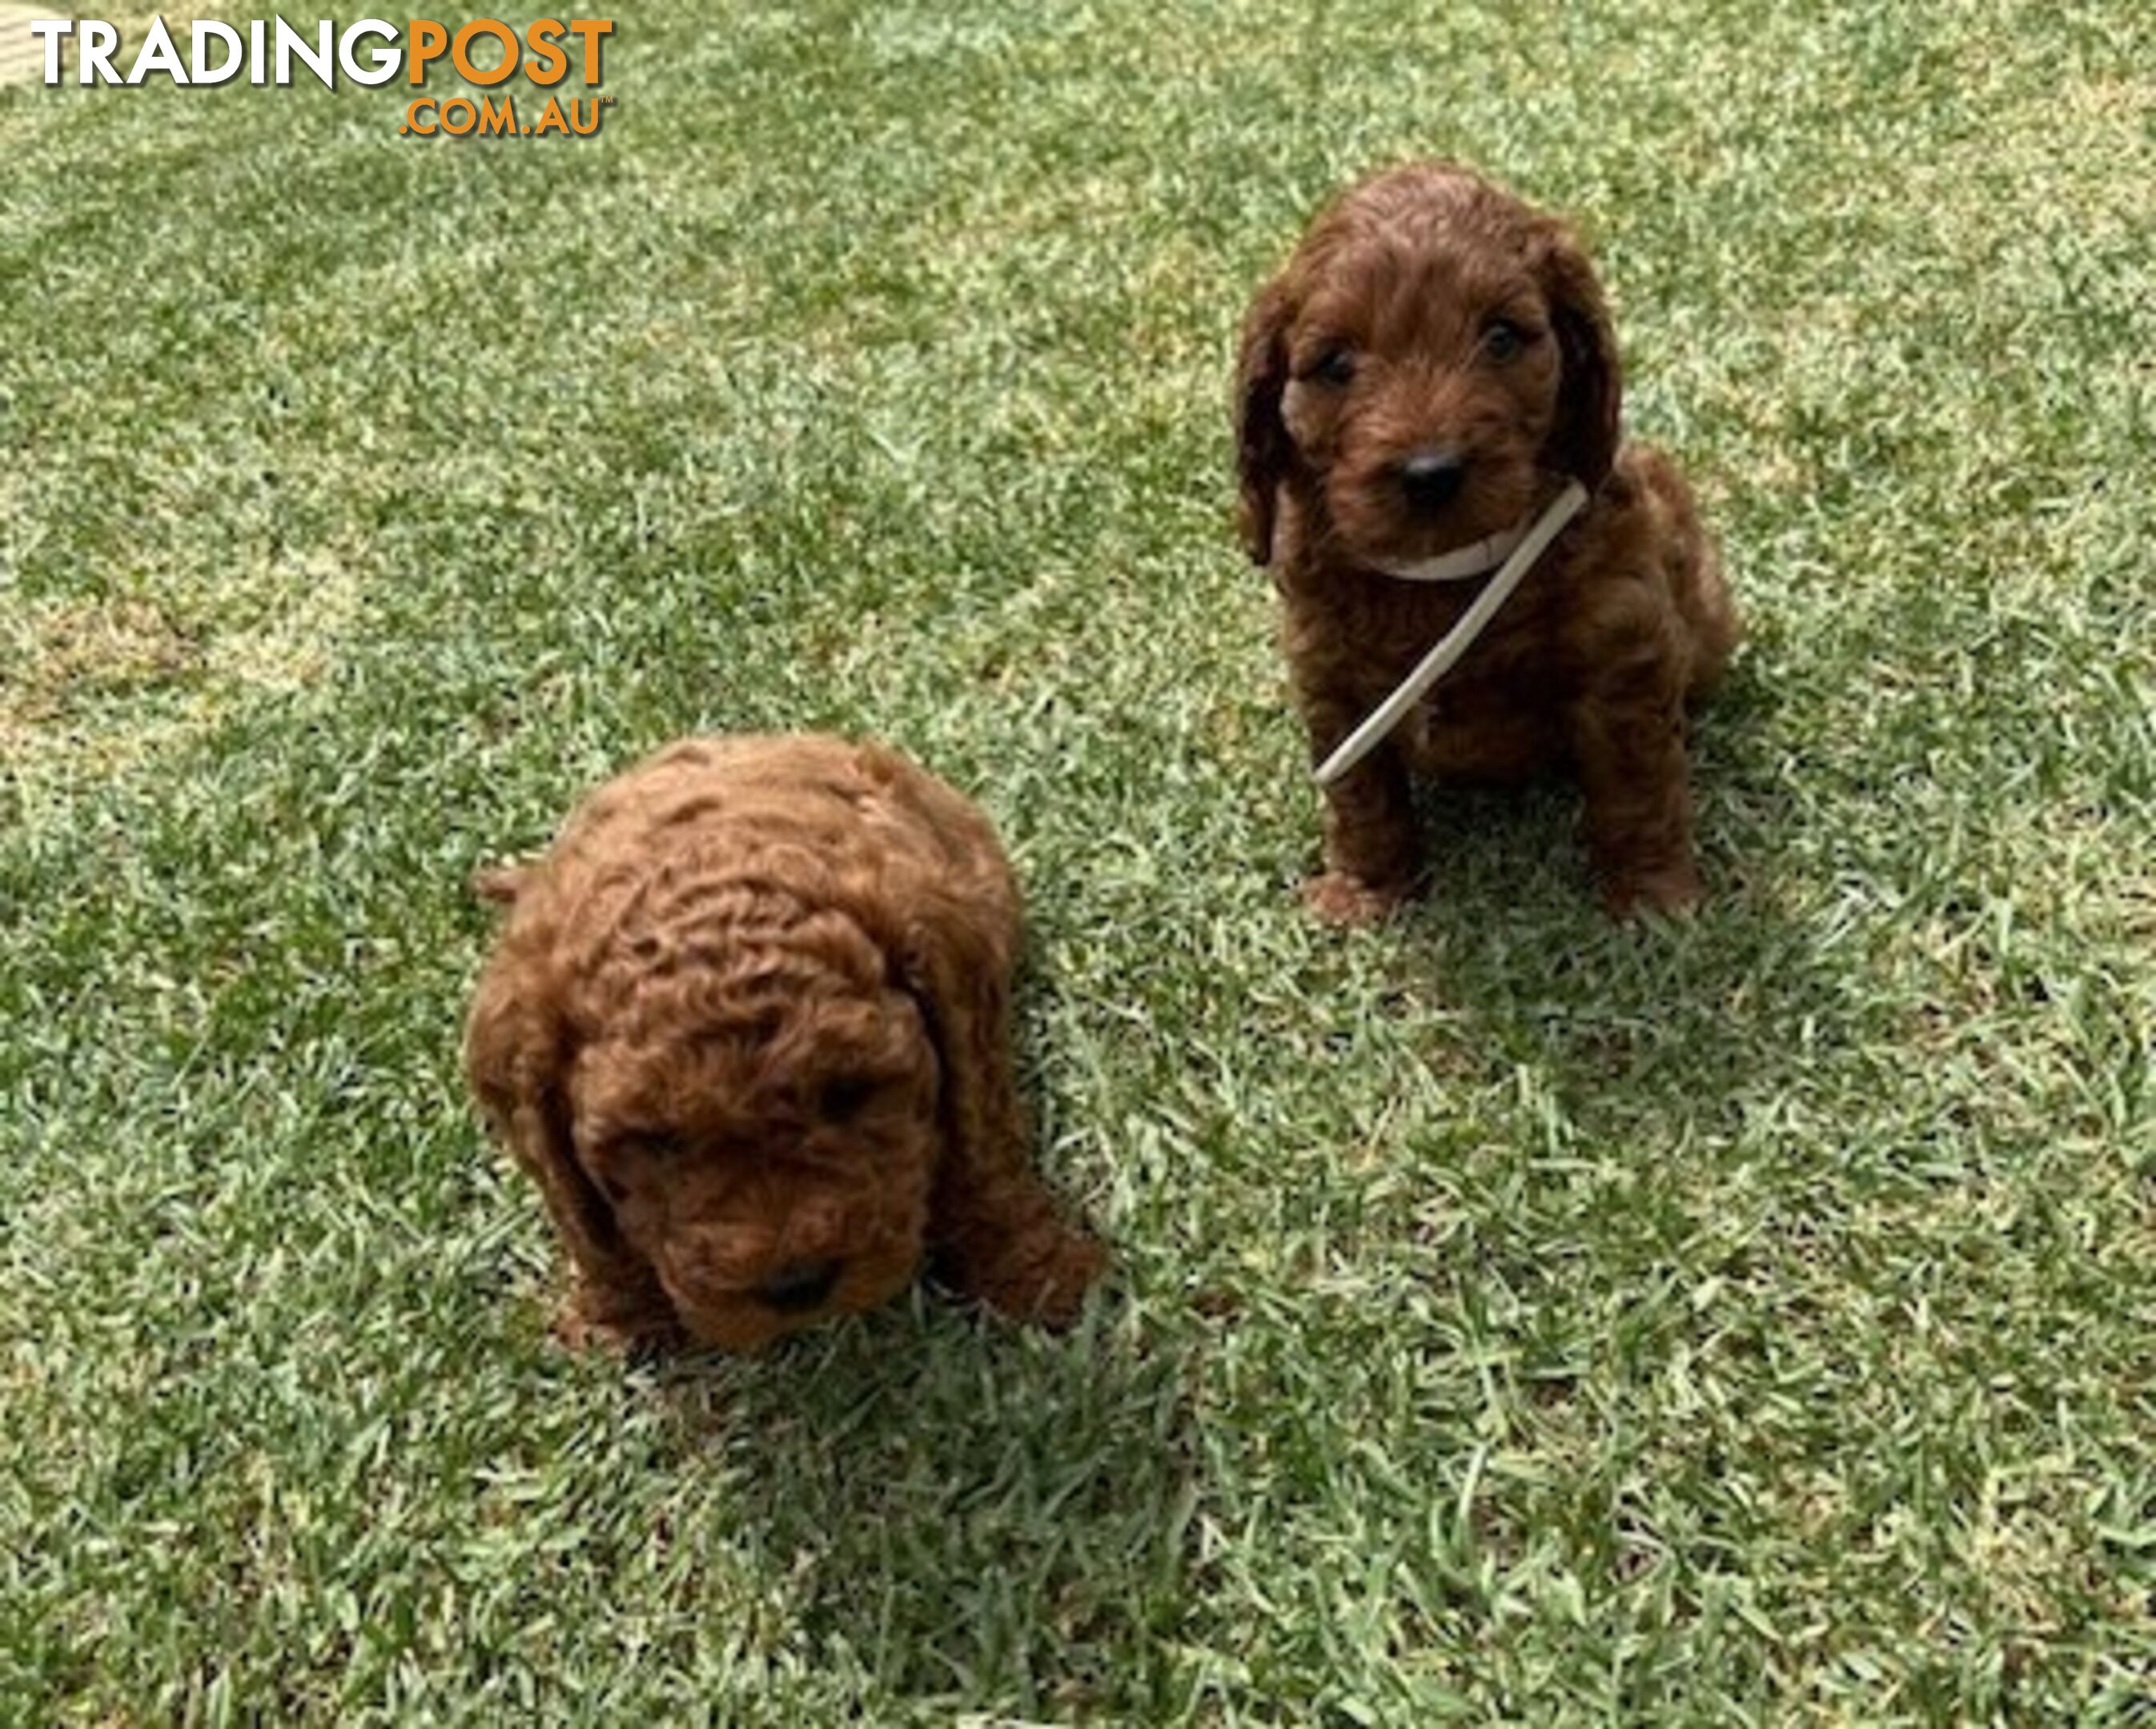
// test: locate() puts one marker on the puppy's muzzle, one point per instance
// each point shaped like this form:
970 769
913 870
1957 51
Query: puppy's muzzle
1431 479
798 1286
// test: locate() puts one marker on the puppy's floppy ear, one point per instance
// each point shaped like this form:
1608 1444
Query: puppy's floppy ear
951 941
1263 448
995 1231
517 1056
954 957
1583 442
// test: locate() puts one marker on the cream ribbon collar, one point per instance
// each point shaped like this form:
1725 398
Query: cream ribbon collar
1514 553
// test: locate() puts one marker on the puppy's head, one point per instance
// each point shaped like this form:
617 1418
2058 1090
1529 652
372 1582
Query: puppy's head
1433 351
730 1086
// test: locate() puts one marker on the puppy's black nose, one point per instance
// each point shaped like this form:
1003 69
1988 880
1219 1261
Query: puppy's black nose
799 1285
1431 479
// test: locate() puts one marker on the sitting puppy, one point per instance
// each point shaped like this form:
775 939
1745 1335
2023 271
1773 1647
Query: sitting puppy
747 1027
1431 368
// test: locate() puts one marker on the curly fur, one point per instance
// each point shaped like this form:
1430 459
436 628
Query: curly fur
747 1026
1380 342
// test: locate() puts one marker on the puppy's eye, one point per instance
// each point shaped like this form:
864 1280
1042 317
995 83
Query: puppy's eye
840 1099
1335 366
1502 340
654 1144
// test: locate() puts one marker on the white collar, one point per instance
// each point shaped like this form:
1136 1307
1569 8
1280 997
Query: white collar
1527 546
1476 559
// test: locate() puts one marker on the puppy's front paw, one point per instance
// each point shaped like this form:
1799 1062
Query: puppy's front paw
1345 900
1059 1286
1674 891
595 1318
1045 1279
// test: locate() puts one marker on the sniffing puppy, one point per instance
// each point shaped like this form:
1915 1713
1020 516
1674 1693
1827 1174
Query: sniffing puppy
1432 366
747 1026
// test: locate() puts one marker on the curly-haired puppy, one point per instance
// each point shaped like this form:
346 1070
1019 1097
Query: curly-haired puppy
1431 366
747 1025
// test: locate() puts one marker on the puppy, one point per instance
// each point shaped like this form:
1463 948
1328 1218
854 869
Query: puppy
1431 367
747 1026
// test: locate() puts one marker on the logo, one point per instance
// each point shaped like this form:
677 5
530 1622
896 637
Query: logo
485 54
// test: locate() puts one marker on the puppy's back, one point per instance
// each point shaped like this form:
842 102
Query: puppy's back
805 808
1692 566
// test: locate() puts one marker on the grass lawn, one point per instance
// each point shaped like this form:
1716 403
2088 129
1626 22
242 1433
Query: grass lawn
1518 1318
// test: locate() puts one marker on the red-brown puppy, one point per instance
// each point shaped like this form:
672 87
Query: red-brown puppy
1431 366
747 1025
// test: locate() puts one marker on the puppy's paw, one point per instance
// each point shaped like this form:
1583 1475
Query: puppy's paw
1043 1280
1347 902
1674 891
1078 1263
592 1319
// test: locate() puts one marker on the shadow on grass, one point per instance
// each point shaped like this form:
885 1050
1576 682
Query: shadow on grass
962 1510
1678 1016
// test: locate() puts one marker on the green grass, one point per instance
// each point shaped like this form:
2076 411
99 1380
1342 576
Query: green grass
1518 1318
